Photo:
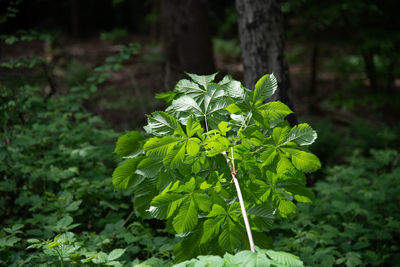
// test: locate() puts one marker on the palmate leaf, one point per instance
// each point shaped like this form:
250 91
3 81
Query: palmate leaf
128 144
124 175
298 189
161 124
211 229
202 80
234 89
265 88
186 219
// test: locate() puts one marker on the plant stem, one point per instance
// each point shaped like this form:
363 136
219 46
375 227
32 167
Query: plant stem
231 164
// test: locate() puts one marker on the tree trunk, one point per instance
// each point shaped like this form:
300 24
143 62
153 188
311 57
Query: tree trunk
187 45
262 44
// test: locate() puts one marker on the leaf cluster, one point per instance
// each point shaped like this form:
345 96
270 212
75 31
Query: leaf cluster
182 170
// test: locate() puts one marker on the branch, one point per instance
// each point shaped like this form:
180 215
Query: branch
231 164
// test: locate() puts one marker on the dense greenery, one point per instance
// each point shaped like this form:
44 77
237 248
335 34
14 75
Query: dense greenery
57 200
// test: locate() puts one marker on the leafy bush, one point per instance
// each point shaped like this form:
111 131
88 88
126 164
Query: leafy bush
58 205
211 136
355 220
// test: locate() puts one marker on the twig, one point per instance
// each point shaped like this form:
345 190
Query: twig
231 164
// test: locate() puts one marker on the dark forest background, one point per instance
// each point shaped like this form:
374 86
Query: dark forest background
68 89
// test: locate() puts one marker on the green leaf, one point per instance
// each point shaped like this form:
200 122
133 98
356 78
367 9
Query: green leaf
187 104
223 127
149 167
211 228
192 147
302 135
160 146
175 156
128 144
262 210
186 219
284 258
279 134
230 239
274 112
124 175
193 126
189 88
161 124
303 161
249 258
217 210
203 80
234 89
115 254
265 88
268 156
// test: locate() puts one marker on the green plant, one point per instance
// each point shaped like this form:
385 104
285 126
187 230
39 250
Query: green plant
262 257
211 137
354 221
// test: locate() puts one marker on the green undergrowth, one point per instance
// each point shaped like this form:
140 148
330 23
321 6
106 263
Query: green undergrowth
355 219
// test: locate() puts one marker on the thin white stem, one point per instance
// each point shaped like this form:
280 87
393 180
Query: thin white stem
205 121
231 164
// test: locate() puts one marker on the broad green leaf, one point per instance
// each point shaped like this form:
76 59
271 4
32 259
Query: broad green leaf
202 80
160 146
161 124
175 156
214 93
115 254
262 210
302 135
234 89
193 126
231 238
186 219
248 258
265 88
234 109
187 104
274 112
268 156
124 175
211 228
284 258
304 161
128 144
149 167
223 127
202 201
189 88
286 207
192 147
217 210
279 134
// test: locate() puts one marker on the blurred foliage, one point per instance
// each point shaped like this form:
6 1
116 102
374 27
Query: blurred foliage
355 220
114 35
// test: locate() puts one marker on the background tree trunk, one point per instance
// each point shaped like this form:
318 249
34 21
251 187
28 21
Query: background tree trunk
186 39
262 44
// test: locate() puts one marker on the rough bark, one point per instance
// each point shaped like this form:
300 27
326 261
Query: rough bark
262 44
186 39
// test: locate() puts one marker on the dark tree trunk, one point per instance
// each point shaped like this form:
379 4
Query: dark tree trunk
262 44
186 39
75 23
370 69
